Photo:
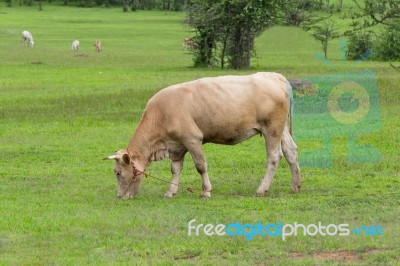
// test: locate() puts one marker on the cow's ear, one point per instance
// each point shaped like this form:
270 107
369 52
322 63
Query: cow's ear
126 158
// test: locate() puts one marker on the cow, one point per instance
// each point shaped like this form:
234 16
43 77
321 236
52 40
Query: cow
75 45
97 46
27 38
188 43
222 110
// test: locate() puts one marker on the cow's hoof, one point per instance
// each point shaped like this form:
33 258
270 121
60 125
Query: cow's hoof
296 189
260 193
169 194
206 194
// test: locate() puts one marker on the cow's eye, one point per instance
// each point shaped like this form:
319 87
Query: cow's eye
117 173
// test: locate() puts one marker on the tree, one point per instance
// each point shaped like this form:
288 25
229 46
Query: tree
379 12
246 20
228 27
386 44
297 12
325 32
203 18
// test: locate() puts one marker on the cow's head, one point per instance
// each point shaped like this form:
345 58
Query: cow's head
128 179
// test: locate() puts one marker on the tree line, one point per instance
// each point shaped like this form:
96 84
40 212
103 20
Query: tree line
224 31
171 5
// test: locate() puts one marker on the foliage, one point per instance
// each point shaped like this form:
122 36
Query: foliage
387 46
228 28
359 43
325 32
375 13
380 12
297 12
167 5
203 17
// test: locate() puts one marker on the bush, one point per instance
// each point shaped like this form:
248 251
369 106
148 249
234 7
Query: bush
359 44
388 45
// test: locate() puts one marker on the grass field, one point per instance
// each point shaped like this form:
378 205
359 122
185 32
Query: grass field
62 112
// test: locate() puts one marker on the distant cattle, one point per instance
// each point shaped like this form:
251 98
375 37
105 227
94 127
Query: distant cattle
188 43
75 45
299 83
223 110
97 46
28 38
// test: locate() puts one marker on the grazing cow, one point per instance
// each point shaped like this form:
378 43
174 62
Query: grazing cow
75 45
222 110
188 43
27 38
98 46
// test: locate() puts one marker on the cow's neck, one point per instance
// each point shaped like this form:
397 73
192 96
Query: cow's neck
145 145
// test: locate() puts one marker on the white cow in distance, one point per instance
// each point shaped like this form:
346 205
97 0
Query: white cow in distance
75 45
27 38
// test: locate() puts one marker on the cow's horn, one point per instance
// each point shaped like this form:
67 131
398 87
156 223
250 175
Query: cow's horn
112 157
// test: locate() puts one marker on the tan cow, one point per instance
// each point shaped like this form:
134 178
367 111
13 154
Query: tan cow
223 110
97 46
188 43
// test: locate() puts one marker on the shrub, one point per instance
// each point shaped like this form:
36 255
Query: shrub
387 46
359 43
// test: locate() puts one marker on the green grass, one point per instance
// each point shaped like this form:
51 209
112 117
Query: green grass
61 113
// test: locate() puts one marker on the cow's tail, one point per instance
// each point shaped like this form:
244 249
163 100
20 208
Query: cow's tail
290 116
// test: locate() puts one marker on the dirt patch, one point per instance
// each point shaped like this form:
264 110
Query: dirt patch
303 87
307 91
338 255
342 255
82 55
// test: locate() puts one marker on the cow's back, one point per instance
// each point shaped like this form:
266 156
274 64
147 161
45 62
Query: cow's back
225 109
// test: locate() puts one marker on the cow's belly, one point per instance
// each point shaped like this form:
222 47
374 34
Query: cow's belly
230 138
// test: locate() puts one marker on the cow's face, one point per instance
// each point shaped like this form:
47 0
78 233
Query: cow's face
128 185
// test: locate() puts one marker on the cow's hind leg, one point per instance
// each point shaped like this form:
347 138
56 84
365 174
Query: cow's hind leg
176 168
274 155
289 148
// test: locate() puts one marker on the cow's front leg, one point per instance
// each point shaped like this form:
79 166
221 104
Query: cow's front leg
199 159
176 168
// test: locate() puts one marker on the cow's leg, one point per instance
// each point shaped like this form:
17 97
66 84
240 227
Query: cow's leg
176 168
274 155
199 159
289 148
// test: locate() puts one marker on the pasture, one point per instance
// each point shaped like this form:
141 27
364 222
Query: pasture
61 112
